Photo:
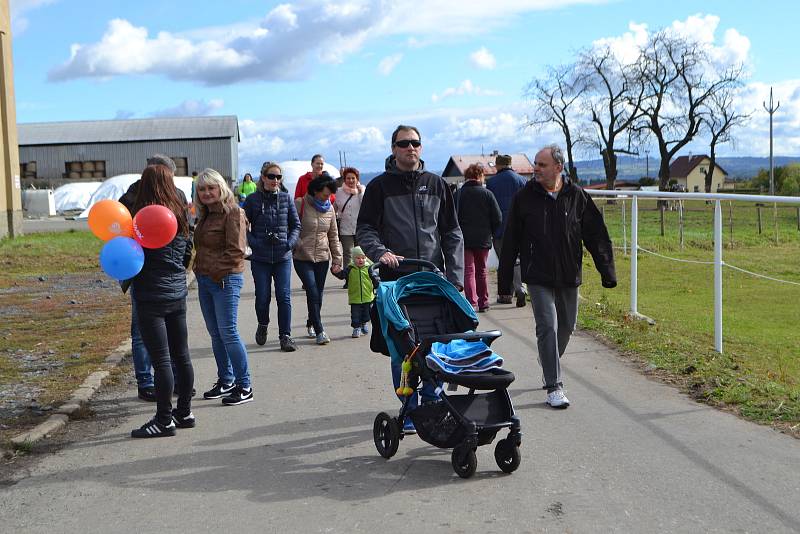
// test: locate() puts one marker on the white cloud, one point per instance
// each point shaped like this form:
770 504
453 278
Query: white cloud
387 64
465 88
19 9
483 59
734 48
287 42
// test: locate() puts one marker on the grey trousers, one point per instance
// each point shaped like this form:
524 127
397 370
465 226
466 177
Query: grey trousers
555 310
348 242
497 244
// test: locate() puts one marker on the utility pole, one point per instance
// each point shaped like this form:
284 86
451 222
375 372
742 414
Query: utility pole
771 110
10 188
647 162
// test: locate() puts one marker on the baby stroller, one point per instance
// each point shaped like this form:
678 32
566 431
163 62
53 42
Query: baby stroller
415 312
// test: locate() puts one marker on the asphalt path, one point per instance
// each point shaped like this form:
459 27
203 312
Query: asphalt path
629 455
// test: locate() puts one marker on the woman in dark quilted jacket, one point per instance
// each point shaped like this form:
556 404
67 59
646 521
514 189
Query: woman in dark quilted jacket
274 229
160 293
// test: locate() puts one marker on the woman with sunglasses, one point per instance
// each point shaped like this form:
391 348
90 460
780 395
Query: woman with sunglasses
317 248
274 229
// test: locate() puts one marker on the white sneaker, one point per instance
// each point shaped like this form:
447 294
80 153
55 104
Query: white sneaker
356 332
557 399
311 332
365 328
323 339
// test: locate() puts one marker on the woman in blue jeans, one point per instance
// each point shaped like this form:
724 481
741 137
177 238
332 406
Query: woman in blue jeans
274 229
159 292
220 243
317 248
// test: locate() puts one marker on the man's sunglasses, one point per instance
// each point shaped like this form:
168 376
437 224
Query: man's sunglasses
273 176
405 143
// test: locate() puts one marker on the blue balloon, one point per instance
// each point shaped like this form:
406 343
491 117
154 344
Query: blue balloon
122 258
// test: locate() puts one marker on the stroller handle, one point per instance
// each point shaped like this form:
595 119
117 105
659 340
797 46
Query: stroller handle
373 269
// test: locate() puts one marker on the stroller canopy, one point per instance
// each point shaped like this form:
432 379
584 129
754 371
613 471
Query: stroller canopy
419 283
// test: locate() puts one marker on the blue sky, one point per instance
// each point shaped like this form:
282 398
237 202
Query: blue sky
307 76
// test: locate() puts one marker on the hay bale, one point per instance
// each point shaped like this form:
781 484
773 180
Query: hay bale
99 165
74 174
85 174
74 166
99 174
88 166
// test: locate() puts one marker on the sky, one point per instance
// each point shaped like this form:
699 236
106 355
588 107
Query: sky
315 76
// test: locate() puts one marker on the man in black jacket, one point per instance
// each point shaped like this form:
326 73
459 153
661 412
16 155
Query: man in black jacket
549 222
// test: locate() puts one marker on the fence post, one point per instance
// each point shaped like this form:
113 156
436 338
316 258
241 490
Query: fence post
634 254
758 210
624 230
717 276
680 220
798 217
730 223
661 208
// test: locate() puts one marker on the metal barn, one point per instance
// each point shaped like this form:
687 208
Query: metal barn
53 153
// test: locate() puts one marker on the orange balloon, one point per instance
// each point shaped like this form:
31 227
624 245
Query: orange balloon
109 219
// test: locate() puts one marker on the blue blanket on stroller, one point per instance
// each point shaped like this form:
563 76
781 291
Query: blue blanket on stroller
461 356
420 283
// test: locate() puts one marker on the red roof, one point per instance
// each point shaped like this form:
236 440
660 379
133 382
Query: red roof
683 165
457 164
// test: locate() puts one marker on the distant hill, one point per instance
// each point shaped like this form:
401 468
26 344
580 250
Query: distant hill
738 168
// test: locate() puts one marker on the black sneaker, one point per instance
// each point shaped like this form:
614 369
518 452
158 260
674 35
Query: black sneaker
154 429
521 299
219 390
147 394
183 421
238 396
261 334
287 344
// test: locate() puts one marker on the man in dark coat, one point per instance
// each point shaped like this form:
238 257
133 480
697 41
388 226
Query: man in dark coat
550 221
504 185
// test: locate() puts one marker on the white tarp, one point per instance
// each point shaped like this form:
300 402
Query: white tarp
74 196
292 170
116 186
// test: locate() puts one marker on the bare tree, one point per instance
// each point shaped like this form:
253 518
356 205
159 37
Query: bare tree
679 79
555 98
614 101
721 118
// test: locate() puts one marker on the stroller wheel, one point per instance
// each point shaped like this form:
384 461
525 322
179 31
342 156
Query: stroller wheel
386 433
507 456
464 461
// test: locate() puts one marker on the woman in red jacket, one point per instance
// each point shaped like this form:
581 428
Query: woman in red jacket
317 164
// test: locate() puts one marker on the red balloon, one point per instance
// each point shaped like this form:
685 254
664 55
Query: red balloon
154 226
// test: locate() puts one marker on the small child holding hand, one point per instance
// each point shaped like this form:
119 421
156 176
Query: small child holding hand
360 293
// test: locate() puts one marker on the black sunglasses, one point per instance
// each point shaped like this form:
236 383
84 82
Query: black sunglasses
405 143
273 176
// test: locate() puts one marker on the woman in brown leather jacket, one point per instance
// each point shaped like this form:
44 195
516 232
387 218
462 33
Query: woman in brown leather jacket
317 248
220 240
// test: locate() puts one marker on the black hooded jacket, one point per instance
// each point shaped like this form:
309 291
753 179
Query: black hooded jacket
411 214
549 234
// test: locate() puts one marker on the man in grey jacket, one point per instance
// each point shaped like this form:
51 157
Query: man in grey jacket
409 212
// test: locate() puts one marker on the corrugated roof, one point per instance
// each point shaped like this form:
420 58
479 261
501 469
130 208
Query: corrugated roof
76 132
683 165
519 162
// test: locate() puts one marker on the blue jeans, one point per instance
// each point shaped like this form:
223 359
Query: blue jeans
141 358
263 275
313 276
428 391
220 305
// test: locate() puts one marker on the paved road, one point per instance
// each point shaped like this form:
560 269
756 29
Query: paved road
630 455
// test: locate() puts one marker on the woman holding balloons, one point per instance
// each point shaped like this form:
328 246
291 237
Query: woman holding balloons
220 238
161 226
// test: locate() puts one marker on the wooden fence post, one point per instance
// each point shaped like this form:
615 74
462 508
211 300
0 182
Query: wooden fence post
758 209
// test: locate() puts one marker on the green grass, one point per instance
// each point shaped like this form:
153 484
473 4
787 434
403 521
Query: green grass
758 374
61 317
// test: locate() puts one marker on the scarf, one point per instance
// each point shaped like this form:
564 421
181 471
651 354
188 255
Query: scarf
322 207
351 190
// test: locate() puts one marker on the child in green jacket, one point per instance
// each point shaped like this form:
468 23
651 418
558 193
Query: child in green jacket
360 293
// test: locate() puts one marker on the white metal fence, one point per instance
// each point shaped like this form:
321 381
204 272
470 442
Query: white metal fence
718 262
